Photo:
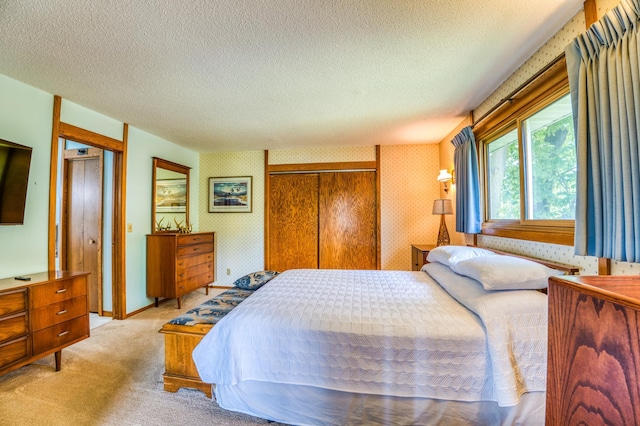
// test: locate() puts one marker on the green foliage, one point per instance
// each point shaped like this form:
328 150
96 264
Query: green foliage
549 168
553 170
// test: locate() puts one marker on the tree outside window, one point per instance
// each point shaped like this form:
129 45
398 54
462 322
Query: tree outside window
544 156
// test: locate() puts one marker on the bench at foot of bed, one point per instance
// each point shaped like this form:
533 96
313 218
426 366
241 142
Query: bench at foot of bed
183 333
179 369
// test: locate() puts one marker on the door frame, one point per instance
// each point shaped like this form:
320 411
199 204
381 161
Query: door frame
119 149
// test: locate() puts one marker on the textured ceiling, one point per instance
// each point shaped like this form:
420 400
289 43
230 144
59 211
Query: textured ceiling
234 75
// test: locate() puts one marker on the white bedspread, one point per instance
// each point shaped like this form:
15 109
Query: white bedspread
374 332
516 328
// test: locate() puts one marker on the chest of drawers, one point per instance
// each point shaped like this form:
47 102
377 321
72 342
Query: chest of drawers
41 316
178 264
594 351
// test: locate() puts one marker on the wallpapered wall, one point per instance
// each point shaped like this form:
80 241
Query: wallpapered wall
549 51
408 188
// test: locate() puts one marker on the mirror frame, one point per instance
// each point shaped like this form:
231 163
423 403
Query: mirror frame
175 167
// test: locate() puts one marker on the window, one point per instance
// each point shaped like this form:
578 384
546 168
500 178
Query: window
530 168
550 168
503 176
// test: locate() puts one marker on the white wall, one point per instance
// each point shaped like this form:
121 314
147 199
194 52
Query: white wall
239 242
142 148
25 118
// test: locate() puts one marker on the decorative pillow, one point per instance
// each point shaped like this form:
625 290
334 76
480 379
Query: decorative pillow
498 272
450 255
254 280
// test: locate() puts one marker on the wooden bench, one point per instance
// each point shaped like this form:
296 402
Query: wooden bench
183 333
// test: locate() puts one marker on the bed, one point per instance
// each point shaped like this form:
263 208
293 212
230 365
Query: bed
461 342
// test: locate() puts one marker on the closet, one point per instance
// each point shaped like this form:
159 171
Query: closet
325 219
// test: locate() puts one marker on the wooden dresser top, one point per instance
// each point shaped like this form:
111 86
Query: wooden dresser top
621 289
37 278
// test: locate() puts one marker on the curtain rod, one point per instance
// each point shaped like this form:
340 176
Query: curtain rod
519 89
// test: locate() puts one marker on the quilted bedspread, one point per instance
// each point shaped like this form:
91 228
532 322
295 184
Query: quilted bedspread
377 332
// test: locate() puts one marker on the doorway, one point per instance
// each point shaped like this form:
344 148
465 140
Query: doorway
116 237
84 219
81 219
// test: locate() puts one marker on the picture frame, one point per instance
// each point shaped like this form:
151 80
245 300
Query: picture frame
231 194
171 195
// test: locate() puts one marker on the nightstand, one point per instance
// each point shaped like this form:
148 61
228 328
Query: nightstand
419 253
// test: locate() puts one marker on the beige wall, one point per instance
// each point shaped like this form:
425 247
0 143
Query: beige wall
408 188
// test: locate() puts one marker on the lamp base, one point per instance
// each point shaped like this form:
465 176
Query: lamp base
443 234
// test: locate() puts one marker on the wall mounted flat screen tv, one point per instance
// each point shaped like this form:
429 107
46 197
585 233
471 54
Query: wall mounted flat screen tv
15 161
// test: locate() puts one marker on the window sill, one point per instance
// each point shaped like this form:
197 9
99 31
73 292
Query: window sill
544 234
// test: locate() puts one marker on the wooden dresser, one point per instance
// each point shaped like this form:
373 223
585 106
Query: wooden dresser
593 371
41 316
178 264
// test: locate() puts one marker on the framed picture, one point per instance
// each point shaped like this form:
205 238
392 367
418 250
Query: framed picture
230 194
171 195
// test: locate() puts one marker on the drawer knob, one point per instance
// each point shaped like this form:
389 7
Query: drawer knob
62 312
63 333
196 248
62 290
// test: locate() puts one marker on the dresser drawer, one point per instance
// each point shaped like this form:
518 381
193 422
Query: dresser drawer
194 249
13 302
194 283
56 313
58 291
189 239
187 262
188 274
14 351
60 334
13 327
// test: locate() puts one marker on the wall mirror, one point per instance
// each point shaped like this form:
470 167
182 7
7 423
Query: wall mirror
170 197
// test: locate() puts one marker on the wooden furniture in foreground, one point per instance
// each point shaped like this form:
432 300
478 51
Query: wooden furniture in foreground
593 372
180 371
178 264
419 253
41 316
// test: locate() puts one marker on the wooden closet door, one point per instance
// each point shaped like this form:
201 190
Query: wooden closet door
293 221
348 220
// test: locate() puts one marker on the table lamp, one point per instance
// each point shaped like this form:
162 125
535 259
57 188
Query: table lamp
442 207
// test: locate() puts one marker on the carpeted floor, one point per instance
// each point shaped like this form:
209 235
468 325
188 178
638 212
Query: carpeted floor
112 378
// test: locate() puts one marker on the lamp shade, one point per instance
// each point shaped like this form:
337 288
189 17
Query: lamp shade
442 206
444 175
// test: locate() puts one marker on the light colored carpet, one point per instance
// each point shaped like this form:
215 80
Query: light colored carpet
112 378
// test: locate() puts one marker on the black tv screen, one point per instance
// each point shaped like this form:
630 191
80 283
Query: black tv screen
15 160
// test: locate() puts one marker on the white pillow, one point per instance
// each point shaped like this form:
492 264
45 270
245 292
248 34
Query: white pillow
505 272
450 255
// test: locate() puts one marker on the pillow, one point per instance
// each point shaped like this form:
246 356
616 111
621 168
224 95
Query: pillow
450 255
500 272
255 280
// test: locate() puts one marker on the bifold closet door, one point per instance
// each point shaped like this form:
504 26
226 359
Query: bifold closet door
348 215
293 221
